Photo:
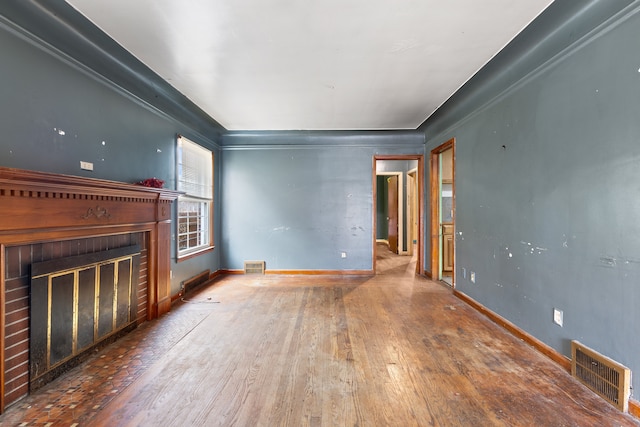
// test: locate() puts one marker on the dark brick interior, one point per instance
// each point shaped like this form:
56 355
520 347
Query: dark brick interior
18 260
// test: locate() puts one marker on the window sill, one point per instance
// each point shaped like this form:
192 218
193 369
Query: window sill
202 251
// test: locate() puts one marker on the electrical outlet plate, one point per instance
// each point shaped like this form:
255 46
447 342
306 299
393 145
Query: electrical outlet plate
473 277
558 317
87 166
343 254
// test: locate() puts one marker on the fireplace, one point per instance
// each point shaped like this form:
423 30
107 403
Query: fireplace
82 261
76 303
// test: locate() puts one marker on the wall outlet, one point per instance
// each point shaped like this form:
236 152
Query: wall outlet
558 317
343 255
472 277
87 166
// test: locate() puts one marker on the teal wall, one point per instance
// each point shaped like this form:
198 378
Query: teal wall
299 199
547 194
55 113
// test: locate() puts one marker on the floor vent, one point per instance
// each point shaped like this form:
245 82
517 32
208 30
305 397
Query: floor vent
195 281
608 378
254 267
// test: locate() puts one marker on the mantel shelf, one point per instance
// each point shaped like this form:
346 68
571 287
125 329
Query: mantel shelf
17 178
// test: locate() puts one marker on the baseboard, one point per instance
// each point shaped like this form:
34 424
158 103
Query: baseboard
323 272
308 272
634 408
543 348
227 271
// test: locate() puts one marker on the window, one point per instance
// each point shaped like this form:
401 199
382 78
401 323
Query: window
195 179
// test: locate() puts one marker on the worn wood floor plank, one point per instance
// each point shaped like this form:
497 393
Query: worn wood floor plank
389 350
351 356
323 351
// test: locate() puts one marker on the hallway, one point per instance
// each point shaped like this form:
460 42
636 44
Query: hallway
385 350
389 263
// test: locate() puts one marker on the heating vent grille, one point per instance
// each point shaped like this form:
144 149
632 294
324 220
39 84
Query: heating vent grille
195 281
608 378
254 267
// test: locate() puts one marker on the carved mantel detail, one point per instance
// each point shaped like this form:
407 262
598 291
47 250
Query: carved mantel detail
98 212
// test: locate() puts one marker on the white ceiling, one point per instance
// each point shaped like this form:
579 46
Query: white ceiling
324 64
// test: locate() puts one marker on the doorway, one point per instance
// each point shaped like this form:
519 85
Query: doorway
403 235
390 226
412 210
442 184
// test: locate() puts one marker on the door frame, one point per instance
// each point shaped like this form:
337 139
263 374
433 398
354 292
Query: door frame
421 197
434 186
412 215
400 212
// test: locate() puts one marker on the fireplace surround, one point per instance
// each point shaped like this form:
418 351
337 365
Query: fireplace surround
45 218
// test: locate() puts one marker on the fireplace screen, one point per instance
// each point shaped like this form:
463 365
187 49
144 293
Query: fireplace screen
76 302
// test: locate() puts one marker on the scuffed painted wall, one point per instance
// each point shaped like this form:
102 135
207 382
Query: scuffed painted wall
54 115
548 196
298 200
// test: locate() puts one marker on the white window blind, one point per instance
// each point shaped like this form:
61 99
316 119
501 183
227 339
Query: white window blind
195 178
195 172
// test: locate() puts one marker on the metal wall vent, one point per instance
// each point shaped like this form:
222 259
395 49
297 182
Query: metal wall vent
254 267
195 281
606 377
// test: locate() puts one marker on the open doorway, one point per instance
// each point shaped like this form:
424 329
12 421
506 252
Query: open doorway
398 213
389 207
412 209
442 184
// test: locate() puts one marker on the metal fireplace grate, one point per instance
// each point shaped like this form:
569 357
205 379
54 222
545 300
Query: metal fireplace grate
254 267
606 377
76 303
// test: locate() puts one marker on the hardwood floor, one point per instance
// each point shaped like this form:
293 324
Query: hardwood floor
389 350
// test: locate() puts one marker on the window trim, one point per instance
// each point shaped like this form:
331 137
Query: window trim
182 255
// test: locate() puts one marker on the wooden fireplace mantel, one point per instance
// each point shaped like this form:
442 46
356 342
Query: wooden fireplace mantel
38 207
